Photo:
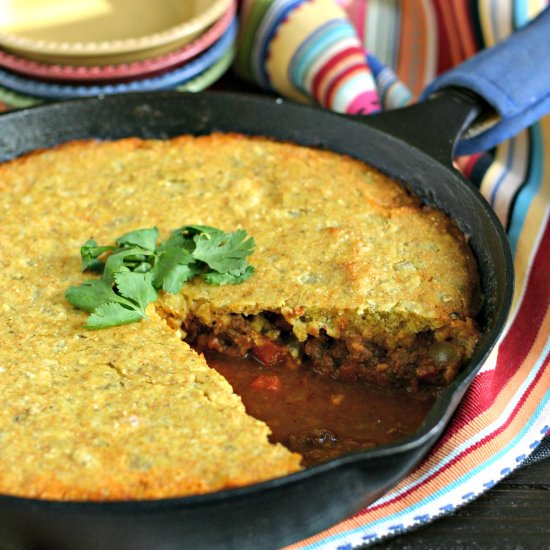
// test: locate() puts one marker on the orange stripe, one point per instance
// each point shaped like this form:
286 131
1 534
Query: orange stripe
472 458
477 424
464 32
411 63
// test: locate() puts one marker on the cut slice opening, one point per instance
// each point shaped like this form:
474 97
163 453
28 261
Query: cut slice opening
324 396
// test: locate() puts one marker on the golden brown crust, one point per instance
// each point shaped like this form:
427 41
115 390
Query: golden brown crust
127 415
132 412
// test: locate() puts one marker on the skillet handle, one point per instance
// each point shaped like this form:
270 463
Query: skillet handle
513 77
433 126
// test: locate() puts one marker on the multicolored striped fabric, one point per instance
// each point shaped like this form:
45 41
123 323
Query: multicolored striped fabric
506 412
306 50
356 56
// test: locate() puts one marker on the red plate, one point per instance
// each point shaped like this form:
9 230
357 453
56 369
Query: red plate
120 72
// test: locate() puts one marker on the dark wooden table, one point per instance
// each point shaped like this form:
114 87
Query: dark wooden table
515 514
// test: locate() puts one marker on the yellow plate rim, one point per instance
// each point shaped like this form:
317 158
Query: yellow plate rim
176 34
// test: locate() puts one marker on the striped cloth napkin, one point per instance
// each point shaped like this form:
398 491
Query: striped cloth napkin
360 56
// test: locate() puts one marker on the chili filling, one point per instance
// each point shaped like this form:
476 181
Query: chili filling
302 390
426 363
315 416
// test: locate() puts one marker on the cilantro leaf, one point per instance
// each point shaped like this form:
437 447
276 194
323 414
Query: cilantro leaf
177 240
90 294
214 278
113 314
124 260
144 238
224 252
137 287
138 267
174 267
89 253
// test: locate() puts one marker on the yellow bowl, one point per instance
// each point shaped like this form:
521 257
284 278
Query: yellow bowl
102 32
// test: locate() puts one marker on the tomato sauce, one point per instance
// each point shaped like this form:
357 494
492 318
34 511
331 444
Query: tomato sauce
316 416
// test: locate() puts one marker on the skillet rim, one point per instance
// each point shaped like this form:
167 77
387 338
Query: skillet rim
434 424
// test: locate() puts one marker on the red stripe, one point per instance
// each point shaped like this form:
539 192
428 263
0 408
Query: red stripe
512 353
467 451
444 57
467 165
359 17
333 86
327 67
518 341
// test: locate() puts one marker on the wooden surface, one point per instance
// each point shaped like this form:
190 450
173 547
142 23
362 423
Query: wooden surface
515 514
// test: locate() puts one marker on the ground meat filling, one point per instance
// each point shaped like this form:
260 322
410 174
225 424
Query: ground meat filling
425 363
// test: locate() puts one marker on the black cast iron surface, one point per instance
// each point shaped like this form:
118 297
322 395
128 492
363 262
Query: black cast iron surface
275 513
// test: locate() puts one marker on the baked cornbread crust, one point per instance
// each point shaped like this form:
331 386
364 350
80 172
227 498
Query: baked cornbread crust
343 255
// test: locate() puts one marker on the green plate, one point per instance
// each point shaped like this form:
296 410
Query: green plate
15 100
208 77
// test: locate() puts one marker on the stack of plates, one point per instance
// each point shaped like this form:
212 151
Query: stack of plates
59 49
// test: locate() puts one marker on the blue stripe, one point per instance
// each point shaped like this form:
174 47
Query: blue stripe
267 37
394 517
391 91
375 64
314 45
520 12
529 189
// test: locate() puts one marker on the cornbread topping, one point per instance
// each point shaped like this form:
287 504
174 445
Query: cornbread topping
353 277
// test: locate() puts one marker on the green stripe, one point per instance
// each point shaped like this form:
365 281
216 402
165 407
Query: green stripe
209 76
17 101
247 36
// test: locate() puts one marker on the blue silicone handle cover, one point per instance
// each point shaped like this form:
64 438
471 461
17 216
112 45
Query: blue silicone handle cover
513 77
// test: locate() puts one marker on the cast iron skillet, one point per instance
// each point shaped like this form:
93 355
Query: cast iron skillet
284 510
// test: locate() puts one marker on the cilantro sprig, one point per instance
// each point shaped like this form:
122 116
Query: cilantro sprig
137 267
